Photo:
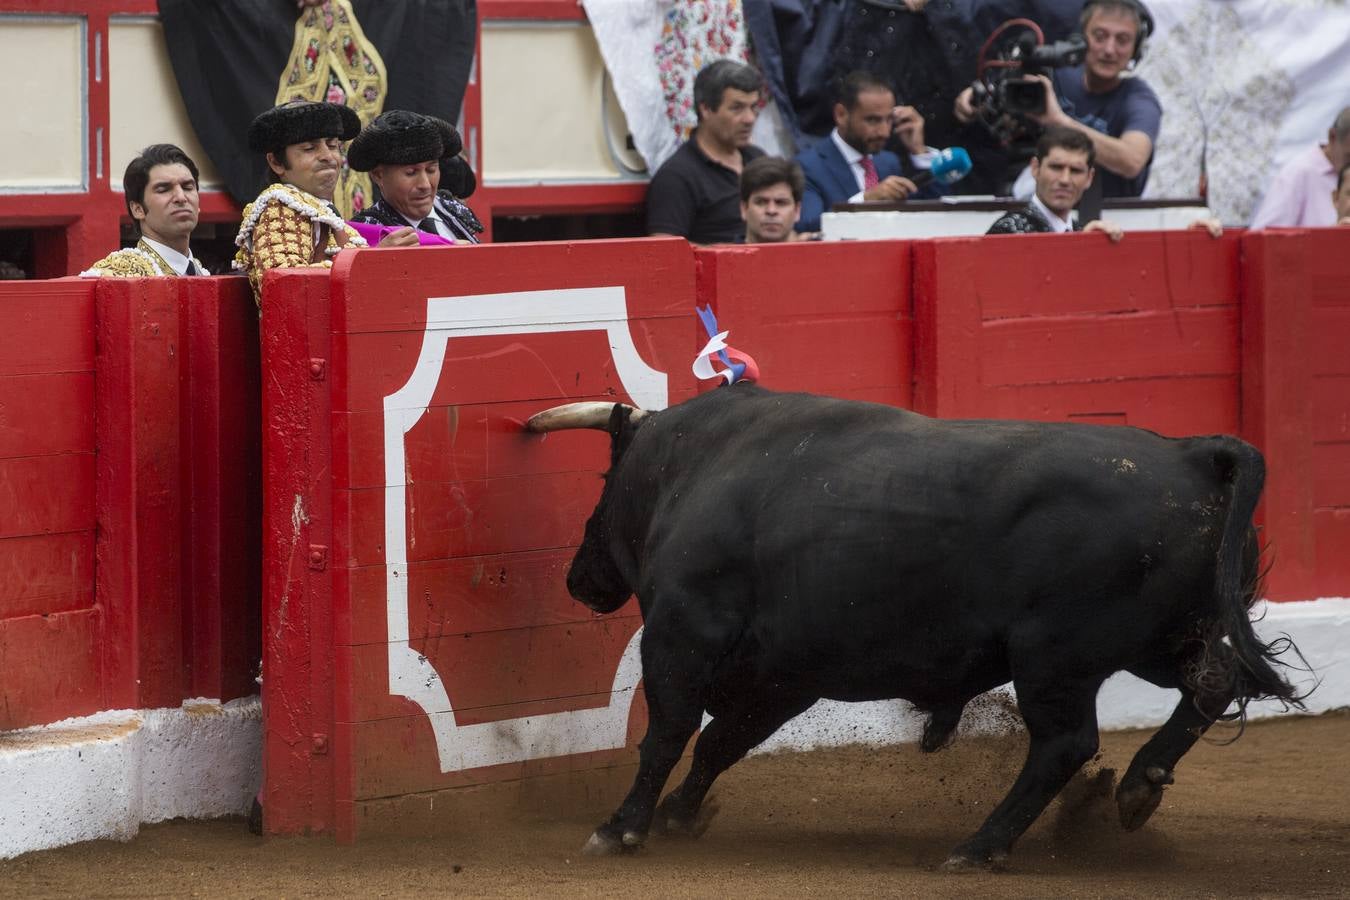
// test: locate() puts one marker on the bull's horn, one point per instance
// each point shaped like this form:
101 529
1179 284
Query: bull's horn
588 414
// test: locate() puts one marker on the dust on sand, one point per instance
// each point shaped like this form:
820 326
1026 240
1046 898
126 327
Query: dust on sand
1266 816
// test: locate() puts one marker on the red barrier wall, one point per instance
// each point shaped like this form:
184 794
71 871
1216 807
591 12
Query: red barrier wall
832 318
128 568
417 632
50 628
419 635
1155 344
1296 402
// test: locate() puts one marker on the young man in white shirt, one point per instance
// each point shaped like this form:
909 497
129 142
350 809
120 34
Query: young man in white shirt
1062 169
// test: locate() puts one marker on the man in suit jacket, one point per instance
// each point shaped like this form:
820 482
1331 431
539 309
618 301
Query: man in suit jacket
850 164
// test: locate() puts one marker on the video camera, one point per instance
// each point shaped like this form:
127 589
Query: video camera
1005 95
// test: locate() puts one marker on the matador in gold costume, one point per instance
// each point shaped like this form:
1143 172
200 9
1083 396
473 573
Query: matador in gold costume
293 221
161 195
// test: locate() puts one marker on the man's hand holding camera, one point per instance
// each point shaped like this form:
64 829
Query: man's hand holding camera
1051 113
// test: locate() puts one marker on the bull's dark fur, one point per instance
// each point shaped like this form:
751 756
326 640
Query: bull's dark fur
785 548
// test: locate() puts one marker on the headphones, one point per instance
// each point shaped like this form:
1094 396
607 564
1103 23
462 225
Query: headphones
1135 6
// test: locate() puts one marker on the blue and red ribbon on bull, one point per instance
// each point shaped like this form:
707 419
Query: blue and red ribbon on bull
738 365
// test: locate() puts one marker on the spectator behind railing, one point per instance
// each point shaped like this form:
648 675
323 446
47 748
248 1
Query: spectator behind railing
694 193
1341 197
1297 195
849 165
1120 114
771 201
1062 168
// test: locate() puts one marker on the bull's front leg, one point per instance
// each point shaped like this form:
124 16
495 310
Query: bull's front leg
681 643
1061 720
672 717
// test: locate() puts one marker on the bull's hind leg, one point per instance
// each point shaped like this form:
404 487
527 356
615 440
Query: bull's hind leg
1150 771
1061 720
722 744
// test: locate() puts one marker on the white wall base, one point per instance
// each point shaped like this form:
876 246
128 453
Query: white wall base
103 775
1320 628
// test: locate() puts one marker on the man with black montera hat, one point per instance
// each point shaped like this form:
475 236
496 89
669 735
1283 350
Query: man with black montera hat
293 221
409 156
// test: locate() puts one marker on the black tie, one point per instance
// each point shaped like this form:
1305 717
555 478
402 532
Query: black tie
429 225
192 268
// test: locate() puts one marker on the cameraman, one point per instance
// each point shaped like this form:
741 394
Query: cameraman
1121 115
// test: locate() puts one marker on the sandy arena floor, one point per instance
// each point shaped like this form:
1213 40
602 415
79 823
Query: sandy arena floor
1267 816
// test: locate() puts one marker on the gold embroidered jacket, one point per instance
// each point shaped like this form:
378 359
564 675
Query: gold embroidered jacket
281 228
140 261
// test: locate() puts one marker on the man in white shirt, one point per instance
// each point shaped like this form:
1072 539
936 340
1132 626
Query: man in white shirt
1062 169
160 186
1297 195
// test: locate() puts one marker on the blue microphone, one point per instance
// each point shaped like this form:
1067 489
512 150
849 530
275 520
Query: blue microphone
949 167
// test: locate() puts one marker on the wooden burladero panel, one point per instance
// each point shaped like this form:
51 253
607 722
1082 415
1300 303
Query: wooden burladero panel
459 657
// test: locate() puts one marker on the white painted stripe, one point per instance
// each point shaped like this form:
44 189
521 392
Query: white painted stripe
411 675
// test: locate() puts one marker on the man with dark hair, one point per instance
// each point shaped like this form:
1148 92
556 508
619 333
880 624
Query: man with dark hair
1340 198
403 152
1062 168
293 221
160 186
1296 196
850 164
1120 114
771 199
694 193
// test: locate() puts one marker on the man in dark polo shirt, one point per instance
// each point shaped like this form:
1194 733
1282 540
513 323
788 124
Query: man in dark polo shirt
696 193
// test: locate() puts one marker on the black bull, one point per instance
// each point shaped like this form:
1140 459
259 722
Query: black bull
786 548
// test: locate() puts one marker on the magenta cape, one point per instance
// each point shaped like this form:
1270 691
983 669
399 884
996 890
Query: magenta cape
375 233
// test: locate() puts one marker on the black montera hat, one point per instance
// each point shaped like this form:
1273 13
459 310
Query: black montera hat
457 177
301 120
402 138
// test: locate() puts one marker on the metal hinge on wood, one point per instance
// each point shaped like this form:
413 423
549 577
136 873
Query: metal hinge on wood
317 368
318 557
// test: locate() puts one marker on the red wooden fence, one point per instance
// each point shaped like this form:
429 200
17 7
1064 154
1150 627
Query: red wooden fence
128 484
416 630
50 627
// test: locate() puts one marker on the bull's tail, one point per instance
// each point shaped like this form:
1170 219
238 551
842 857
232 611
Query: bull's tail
1251 668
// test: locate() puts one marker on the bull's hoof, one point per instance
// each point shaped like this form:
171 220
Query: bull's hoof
671 821
601 843
1137 798
962 861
